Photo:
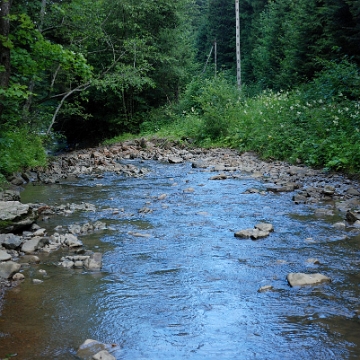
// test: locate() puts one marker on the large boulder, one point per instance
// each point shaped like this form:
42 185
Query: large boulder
15 216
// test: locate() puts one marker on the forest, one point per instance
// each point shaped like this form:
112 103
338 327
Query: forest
77 73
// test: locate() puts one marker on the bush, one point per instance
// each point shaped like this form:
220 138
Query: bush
18 149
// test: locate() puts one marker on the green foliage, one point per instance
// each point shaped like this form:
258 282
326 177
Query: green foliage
304 125
19 149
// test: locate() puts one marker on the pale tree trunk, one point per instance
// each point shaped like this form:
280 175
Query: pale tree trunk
5 6
29 100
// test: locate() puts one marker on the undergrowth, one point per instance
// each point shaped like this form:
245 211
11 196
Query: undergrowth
20 150
317 124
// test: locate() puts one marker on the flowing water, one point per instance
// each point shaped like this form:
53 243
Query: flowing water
187 288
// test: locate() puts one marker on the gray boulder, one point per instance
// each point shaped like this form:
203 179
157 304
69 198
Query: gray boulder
10 241
15 216
8 269
30 246
301 279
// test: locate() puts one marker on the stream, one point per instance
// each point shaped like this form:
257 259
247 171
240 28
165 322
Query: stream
177 284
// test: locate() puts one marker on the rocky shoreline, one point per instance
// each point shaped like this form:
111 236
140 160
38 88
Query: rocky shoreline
22 239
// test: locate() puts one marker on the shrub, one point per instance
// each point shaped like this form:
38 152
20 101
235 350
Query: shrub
19 149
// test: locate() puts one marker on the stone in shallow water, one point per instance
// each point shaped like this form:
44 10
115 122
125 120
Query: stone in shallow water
265 288
103 355
264 227
301 279
94 350
8 269
253 234
18 277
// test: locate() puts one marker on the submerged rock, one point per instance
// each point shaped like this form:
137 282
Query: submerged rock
301 279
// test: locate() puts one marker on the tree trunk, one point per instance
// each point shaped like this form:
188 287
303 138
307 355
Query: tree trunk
5 69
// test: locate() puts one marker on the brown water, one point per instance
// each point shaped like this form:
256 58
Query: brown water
190 289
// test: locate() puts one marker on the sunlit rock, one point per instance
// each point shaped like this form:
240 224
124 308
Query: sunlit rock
301 279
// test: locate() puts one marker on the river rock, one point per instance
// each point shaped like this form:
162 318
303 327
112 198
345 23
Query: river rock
15 216
70 240
352 216
265 288
18 277
94 263
253 234
219 177
29 259
175 160
30 246
10 195
264 227
10 241
4 256
103 355
282 188
37 281
8 269
329 190
90 347
261 230
301 279
200 164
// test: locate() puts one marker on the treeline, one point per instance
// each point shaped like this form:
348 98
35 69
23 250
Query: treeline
89 70
283 43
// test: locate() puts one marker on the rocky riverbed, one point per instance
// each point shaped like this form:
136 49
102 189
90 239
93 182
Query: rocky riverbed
22 237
